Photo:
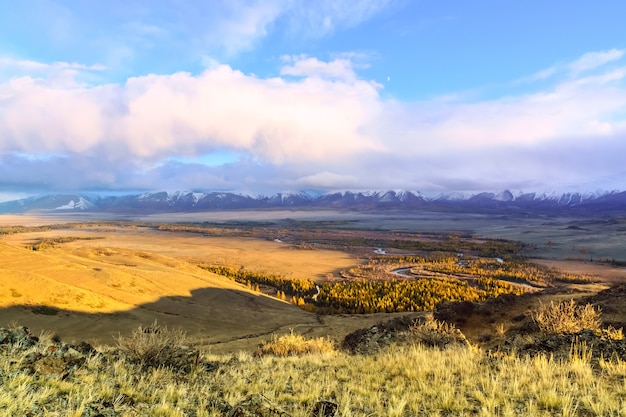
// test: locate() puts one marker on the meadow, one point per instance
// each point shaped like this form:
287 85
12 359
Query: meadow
407 380
228 287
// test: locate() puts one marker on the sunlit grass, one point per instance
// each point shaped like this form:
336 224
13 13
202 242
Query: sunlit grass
398 381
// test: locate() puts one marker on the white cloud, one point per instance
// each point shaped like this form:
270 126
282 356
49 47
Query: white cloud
328 180
181 114
61 74
539 75
322 17
327 128
28 65
302 66
575 107
243 23
587 62
593 60
146 36
239 24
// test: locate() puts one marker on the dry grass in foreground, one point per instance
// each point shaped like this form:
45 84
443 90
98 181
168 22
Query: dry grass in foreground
405 380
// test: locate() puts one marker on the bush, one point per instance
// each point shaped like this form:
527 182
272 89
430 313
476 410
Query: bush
155 346
295 344
566 318
611 333
432 332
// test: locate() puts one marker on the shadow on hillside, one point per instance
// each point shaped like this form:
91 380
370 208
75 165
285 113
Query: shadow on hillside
212 315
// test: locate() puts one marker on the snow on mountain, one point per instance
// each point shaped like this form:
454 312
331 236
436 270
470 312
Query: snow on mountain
505 195
452 196
80 204
387 197
185 201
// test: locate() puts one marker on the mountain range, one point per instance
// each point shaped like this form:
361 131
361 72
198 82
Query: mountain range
575 203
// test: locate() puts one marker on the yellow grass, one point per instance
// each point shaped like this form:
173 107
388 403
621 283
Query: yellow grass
566 317
295 344
95 289
433 332
401 381
253 254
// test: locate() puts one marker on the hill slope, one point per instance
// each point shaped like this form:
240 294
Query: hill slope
96 292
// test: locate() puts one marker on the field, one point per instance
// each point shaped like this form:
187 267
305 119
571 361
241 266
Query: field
111 279
239 290
103 278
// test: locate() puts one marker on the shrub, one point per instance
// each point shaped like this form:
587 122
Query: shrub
295 344
566 317
611 333
433 332
155 346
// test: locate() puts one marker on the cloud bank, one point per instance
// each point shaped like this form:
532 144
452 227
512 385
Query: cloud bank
318 125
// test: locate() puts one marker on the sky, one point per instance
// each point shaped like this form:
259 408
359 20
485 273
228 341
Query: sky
266 96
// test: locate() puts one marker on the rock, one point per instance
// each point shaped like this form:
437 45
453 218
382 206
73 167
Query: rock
50 366
324 409
220 404
56 360
560 346
256 405
371 340
99 409
4 337
29 360
84 348
19 336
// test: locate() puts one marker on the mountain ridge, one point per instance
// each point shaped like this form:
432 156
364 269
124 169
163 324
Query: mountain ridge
190 201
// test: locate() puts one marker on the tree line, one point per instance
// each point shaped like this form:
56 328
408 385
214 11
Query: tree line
364 297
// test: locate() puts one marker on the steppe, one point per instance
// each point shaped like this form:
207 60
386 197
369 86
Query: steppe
119 272
173 339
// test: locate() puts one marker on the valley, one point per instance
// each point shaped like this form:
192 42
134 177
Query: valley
93 279
305 313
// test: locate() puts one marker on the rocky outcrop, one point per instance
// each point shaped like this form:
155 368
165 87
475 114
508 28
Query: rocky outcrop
19 337
424 330
54 359
373 339
586 344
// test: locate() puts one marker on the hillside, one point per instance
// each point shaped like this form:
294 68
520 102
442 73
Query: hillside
133 278
424 370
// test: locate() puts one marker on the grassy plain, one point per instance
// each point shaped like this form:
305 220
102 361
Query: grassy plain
93 283
114 277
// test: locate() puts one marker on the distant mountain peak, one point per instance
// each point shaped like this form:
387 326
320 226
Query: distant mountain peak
193 201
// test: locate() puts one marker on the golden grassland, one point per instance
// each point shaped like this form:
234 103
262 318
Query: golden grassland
97 283
92 280
402 380
102 279
154 372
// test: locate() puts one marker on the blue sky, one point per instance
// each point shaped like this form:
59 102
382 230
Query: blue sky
270 96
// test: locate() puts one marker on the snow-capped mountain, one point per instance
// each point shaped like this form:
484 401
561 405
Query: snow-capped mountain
80 203
57 202
183 201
